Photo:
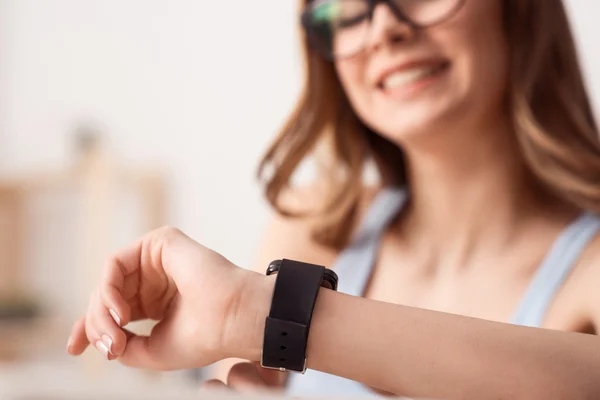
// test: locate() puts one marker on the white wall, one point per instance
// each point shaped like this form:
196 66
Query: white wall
198 86
584 16
4 38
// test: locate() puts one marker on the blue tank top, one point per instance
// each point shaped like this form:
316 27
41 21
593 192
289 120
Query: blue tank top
354 265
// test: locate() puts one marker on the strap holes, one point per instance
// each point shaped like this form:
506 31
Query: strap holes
282 360
283 333
283 347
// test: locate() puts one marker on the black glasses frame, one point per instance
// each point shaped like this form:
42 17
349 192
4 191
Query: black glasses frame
315 42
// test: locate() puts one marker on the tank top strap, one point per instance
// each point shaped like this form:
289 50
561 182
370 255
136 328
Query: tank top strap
355 262
555 269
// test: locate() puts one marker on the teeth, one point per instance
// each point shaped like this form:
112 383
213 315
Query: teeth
401 78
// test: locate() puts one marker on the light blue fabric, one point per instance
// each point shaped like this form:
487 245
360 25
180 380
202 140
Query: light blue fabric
354 266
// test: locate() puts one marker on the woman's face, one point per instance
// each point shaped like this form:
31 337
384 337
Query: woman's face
407 82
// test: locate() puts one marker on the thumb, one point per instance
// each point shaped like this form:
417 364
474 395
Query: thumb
151 352
273 377
141 352
246 378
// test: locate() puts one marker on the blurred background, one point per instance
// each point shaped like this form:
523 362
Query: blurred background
119 116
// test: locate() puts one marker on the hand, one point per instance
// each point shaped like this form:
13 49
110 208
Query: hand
193 292
251 378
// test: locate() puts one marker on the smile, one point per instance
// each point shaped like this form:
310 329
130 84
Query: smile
408 80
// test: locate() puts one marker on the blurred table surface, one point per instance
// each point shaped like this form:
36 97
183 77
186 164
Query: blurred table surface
62 380
66 378
46 372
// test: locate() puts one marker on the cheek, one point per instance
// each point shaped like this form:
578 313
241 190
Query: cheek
480 54
359 92
351 74
488 79
474 88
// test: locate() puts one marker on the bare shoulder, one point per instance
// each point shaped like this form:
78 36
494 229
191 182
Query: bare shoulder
291 237
587 278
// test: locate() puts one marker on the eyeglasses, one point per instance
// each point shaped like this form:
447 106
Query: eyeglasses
340 28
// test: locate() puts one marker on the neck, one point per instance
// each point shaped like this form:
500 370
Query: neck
468 196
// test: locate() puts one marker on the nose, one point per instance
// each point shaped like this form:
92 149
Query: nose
387 28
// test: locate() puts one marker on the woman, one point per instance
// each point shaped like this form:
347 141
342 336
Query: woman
477 119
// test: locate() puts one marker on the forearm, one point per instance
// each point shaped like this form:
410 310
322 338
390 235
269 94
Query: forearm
421 353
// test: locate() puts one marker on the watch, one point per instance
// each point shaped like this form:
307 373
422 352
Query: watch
297 285
330 278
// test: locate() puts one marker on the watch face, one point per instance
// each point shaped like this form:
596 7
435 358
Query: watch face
330 278
273 267
326 284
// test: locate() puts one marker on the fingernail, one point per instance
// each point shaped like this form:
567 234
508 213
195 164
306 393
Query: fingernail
102 348
108 342
115 316
69 343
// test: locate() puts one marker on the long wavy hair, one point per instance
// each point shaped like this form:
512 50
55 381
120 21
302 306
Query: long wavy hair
550 111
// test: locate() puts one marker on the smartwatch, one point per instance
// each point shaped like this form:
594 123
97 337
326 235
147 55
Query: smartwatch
330 278
297 286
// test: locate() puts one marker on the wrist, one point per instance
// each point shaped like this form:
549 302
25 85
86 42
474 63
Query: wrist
245 331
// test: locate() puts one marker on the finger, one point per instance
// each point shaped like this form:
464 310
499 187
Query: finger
120 282
245 377
144 251
102 331
148 352
214 384
141 352
92 331
112 289
78 340
107 330
128 334
274 378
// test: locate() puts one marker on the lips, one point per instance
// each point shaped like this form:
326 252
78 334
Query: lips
409 74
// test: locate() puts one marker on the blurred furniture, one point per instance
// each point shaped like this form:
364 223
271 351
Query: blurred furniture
96 181
17 310
11 237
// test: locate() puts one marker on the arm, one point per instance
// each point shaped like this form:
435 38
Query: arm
207 304
422 353
587 285
283 238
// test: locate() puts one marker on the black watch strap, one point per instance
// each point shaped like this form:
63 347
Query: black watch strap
286 331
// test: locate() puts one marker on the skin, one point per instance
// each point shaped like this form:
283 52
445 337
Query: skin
469 243
476 229
209 310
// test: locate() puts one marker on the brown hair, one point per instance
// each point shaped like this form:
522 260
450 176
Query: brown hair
550 109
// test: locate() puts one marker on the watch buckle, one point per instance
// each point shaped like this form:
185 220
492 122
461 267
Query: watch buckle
281 369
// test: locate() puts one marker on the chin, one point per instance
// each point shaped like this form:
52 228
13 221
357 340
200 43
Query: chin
405 136
402 131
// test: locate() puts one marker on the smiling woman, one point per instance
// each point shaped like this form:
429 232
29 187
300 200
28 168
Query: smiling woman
476 111
485 218
494 56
